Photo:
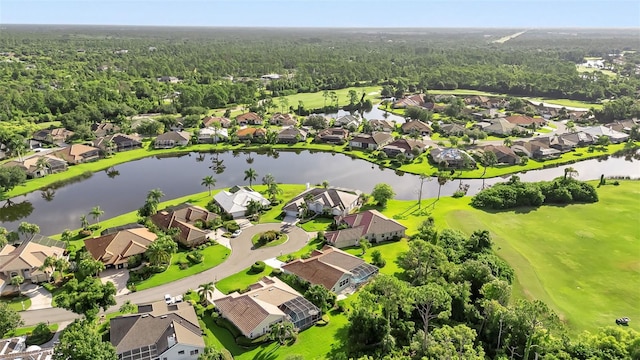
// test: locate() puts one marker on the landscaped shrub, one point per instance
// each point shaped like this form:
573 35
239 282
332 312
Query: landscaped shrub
458 194
276 272
40 335
134 261
257 267
195 257
183 265
231 225
267 237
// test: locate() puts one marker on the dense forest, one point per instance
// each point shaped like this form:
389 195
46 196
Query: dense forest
85 74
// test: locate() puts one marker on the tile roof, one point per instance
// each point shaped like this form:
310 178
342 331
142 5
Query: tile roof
174 136
524 120
416 125
183 217
30 253
75 152
363 223
117 247
233 202
330 198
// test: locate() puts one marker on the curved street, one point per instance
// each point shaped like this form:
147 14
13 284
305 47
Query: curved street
242 256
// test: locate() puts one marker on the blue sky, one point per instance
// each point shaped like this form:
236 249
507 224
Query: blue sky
326 13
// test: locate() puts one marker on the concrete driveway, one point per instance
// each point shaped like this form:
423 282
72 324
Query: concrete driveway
40 298
118 277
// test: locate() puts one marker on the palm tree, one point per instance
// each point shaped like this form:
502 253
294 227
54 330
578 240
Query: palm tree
274 190
507 142
157 254
208 181
570 172
268 180
253 207
96 212
17 281
206 291
325 184
282 332
250 175
84 222
42 164
110 146
153 199
443 178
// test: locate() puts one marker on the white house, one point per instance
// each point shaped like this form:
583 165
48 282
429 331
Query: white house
210 135
319 200
234 202
614 136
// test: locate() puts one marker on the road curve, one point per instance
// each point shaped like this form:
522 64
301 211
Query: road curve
242 256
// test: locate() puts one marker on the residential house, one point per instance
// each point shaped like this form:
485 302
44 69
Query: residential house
408 101
34 169
269 301
323 201
370 225
210 120
78 153
172 139
333 135
351 122
526 121
452 129
159 331
452 158
104 129
234 201
185 217
211 135
404 146
251 133
624 126
17 348
53 136
416 126
615 137
487 114
579 116
168 79
570 141
482 101
382 125
292 135
502 127
372 141
26 259
249 118
535 149
115 249
283 120
504 155
332 268
118 142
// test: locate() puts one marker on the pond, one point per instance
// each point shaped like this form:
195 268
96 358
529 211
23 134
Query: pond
123 188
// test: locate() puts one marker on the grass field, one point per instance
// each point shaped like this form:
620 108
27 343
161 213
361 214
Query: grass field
316 100
567 102
16 302
281 240
582 260
28 330
583 69
241 280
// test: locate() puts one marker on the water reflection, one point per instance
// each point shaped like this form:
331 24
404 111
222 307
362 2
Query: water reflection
12 212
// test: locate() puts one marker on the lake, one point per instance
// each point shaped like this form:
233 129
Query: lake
124 187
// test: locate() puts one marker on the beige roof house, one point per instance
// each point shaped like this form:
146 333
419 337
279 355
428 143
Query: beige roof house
269 301
332 268
78 153
370 225
158 331
283 120
33 170
116 248
418 126
26 258
172 139
184 218
371 141
319 200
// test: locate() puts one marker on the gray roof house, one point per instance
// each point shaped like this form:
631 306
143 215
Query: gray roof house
172 139
503 127
319 200
372 141
404 146
614 136
452 158
292 135
348 121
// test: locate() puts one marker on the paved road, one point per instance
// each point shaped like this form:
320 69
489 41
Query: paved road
242 256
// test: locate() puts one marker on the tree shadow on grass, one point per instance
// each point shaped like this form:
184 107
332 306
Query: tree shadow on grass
339 345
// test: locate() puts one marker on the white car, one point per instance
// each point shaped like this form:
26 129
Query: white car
168 299
236 233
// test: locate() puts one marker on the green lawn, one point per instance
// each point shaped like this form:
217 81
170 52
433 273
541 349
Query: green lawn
316 100
582 260
583 69
16 302
567 102
314 244
281 240
241 280
317 224
28 330
213 256
389 250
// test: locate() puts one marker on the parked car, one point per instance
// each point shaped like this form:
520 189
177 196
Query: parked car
236 233
168 299
622 321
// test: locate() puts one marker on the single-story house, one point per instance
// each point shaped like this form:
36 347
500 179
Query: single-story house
283 120
452 158
78 153
332 268
502 127
158 331
416 126
249 118
370 225
210 120
624 126
26 258
404 146
348 121
319 200
504 155
269 301
250 133
292 135
104 129
333 135
526 121
234 201
408 101
114 250
452 129
118 142
614 136
184 217
371 141
477 100
35 170
172 139
210 135
382 125
53 136
535 149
